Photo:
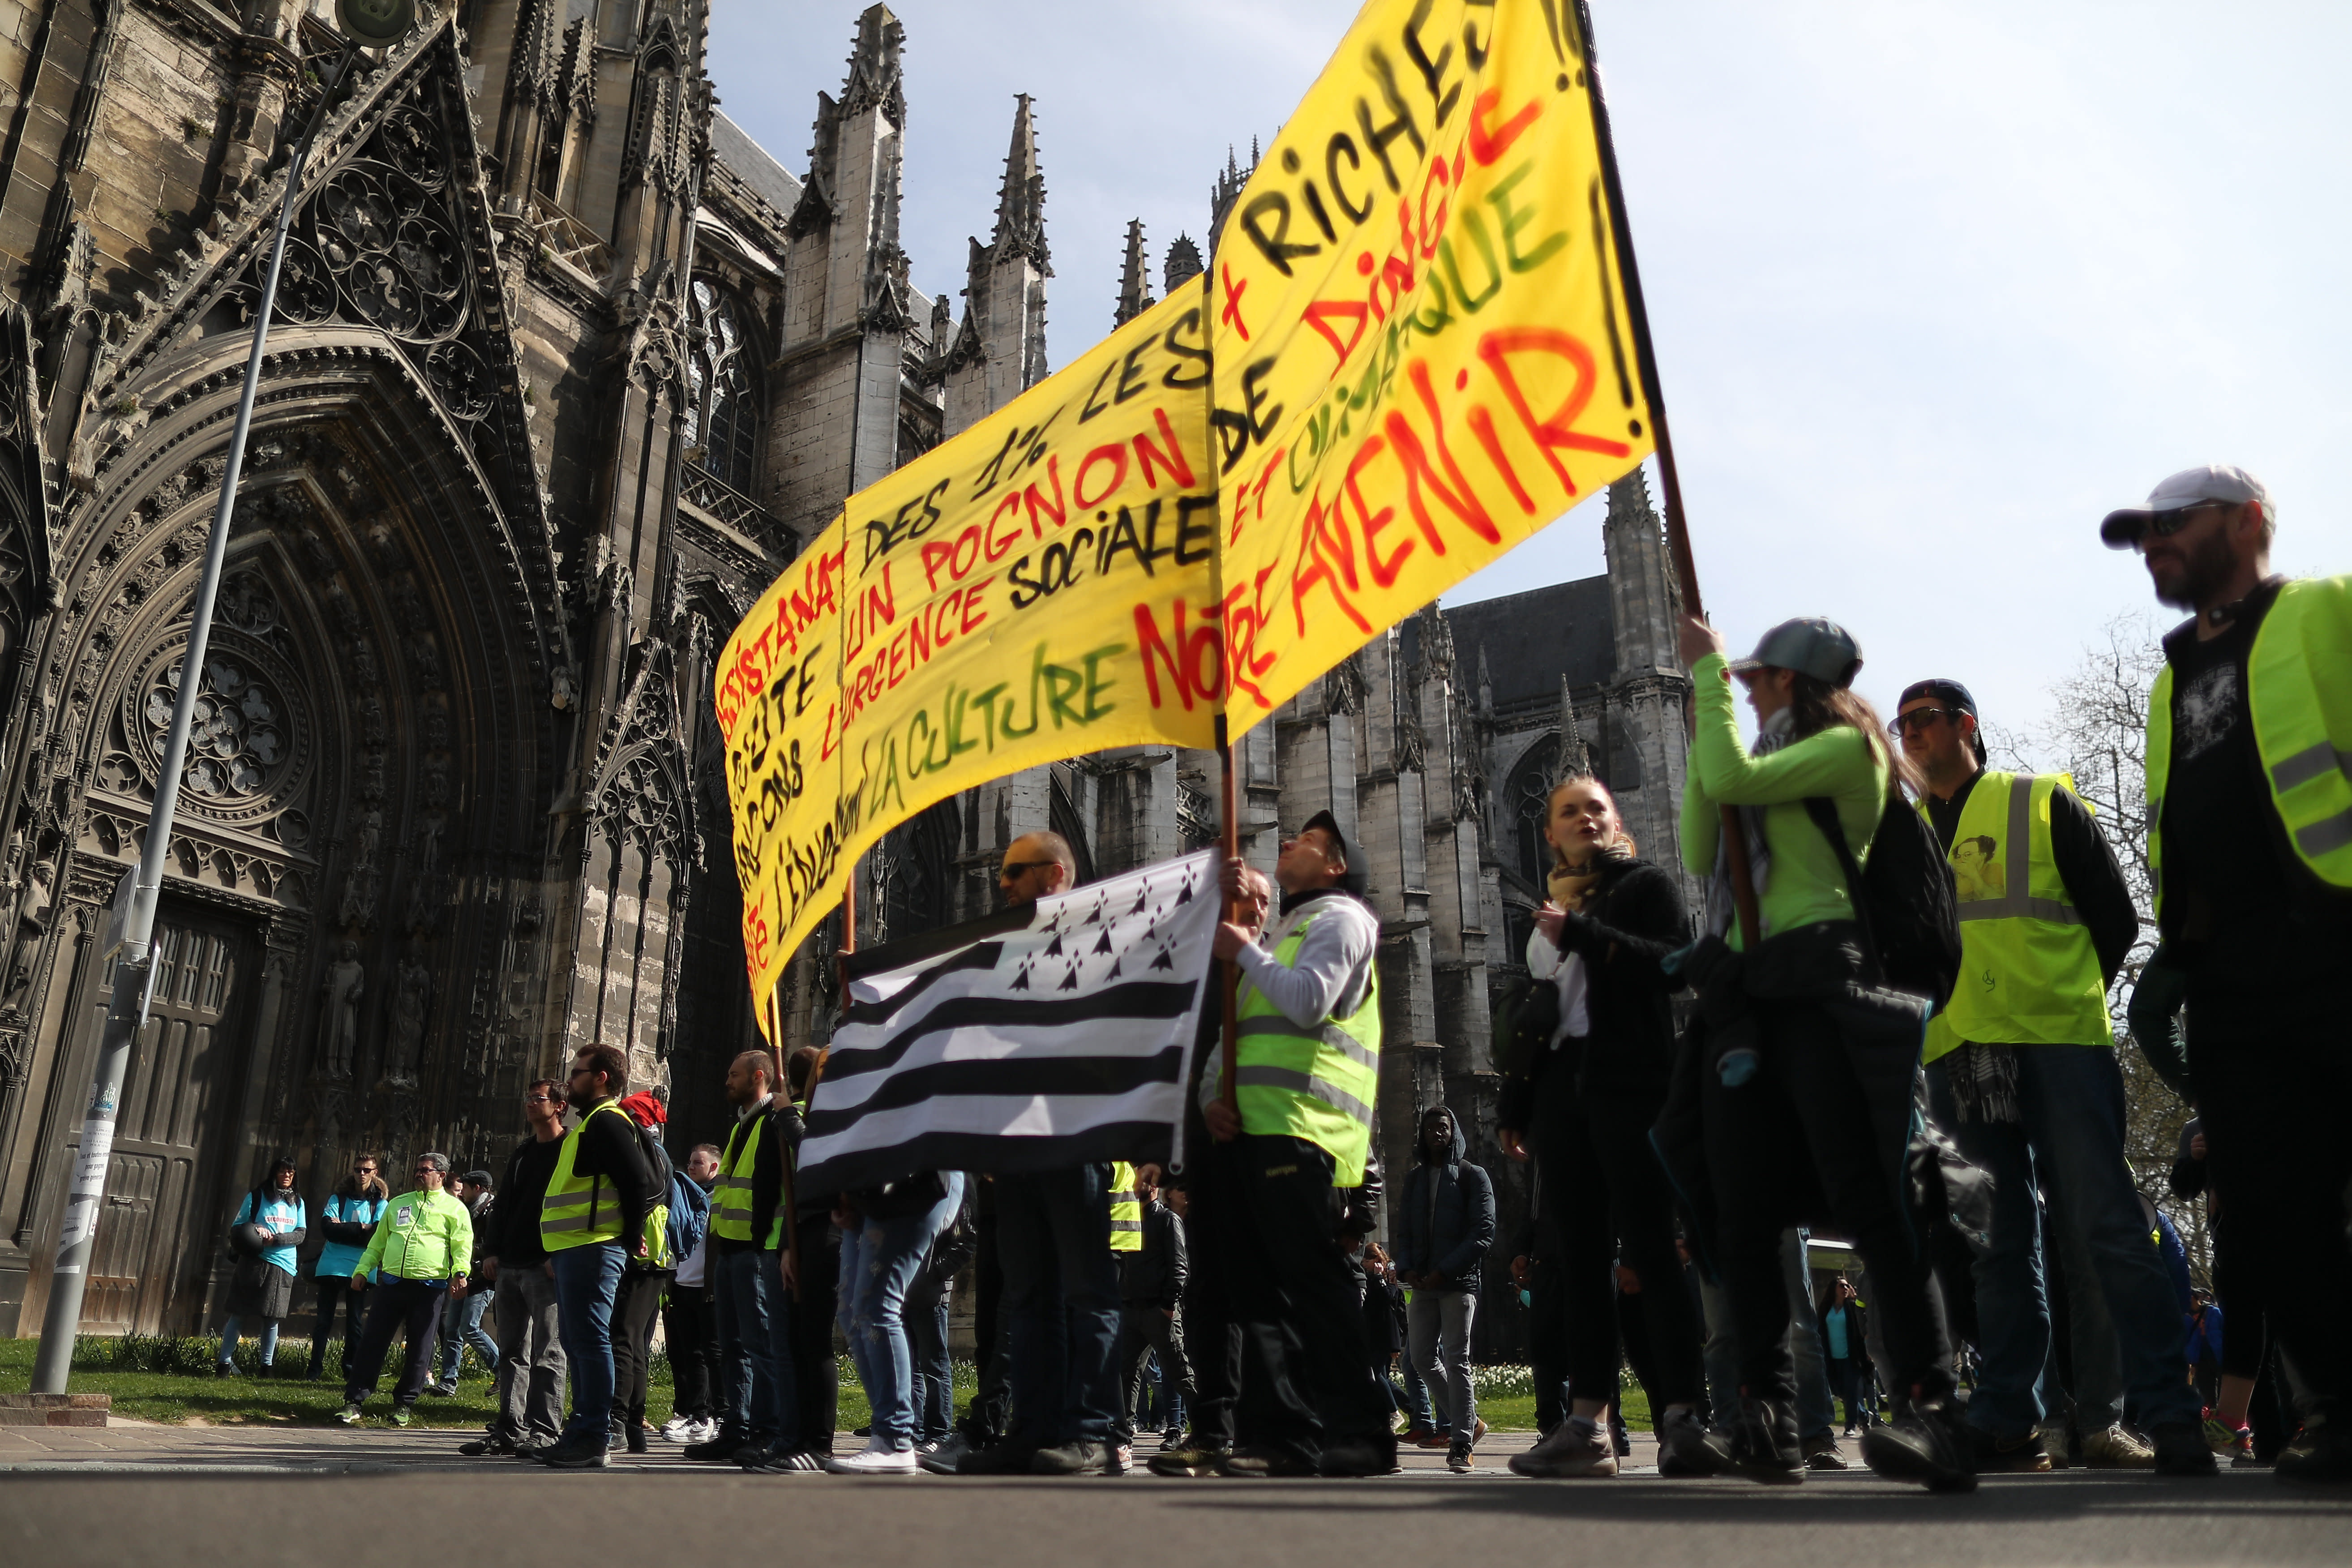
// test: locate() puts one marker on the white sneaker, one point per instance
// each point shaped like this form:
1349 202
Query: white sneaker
873 1460
348 1416
679 1429
2116 1448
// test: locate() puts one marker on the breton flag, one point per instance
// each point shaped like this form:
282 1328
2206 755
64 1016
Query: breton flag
1043 1036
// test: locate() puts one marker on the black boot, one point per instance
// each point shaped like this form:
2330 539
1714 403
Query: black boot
1764 1445
1926 1442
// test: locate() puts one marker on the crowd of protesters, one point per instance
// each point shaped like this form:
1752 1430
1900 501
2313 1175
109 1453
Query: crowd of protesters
1890 1017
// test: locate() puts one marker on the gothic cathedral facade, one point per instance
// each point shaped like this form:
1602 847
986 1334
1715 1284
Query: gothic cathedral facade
563 369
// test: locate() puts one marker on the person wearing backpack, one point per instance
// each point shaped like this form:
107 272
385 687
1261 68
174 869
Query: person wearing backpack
1794 1091
2021 1070
636 1304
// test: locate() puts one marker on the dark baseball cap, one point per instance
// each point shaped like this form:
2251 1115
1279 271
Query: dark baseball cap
1351 878
1810 645
1942 690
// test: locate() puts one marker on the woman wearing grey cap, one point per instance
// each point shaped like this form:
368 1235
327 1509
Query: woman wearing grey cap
1800 1113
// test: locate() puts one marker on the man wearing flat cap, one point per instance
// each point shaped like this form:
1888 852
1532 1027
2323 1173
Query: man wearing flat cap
2250 849
1298 1124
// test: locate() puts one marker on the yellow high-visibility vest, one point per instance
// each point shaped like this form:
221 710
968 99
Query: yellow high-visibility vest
1125 1210
1319 1083
578 1210
2029 971
2300 698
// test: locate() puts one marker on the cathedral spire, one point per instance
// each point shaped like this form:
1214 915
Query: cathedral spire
1134 278
875 81
1575 756
1021 202
1182 266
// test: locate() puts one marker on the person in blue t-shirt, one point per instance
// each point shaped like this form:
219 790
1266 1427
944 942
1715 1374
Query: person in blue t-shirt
263 1286
348 1218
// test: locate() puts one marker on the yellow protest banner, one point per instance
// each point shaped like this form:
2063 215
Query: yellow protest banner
778 696
1039 586
1424 353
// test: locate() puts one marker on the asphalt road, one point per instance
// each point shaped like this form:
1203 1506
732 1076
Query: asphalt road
677 1515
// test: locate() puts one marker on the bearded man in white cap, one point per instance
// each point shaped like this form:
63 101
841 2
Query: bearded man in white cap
2250 847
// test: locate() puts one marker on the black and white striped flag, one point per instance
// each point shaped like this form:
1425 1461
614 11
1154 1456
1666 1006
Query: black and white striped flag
1039 1038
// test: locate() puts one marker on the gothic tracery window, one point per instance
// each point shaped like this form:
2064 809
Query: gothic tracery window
723 421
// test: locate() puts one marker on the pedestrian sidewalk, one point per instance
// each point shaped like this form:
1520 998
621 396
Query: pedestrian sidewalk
147 1447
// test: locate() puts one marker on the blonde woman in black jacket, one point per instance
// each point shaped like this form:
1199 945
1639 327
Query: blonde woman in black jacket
1582 1107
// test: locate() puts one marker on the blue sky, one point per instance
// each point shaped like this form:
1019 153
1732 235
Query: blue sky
1933 285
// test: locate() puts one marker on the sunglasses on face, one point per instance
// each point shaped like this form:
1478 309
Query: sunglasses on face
1015 867
1919 719
2171 520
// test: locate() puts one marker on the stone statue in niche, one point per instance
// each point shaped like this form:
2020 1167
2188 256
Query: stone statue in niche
339 1032
359 889
363 660
32 925
371 720
408 1007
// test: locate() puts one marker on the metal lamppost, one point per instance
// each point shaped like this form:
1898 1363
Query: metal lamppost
131 925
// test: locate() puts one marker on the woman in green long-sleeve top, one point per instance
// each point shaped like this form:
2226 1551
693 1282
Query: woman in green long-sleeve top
1795 1101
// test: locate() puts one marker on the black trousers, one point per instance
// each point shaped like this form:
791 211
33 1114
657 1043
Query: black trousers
635 1305
1213 1336
2273 1072
1547 1326
392 1305
1307 1377
690 1328
1146 1330
1608 1199
334 1290
816 1376
992 1334
1805 1104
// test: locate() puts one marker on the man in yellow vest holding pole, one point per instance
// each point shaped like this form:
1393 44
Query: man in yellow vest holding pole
2249 851
1299 1123
2021 1069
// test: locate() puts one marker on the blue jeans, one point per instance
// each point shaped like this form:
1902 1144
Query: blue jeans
879 1259
268 1340
1052 1233
926 1316
754 1399
586 1279
461 1325
1815 1415
2071 1135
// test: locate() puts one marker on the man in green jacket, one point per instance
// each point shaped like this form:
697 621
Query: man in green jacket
2249 851
416 1258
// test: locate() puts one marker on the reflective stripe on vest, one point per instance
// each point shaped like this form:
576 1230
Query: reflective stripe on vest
730 1199
2029 971
2303 728
1317 1082
1125 1210
578 1210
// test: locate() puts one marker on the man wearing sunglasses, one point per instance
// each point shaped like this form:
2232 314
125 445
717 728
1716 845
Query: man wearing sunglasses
2021 1070
2250 852
1059 1299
